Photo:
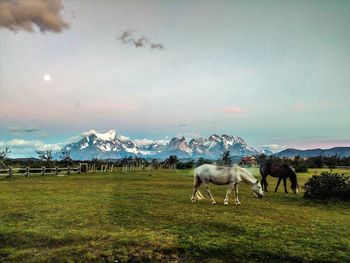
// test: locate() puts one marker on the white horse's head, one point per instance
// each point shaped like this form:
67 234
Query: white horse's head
257 189
249 178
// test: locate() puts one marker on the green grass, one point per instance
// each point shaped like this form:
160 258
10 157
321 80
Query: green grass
137 217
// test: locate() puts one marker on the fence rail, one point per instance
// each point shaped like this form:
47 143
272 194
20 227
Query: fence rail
27 171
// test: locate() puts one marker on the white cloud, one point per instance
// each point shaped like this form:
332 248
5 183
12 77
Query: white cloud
32 144
88 133
273 147
143 142
74 139
124 138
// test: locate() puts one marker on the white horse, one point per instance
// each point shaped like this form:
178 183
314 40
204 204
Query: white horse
230 176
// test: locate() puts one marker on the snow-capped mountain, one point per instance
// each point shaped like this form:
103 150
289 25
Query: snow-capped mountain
101 146
109 145
214 146
176 146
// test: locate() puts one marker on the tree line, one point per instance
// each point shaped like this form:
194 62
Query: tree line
45 158
302 164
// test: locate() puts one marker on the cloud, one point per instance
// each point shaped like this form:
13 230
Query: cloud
16 15
183 125
123 138
233 110
23 131
157 46
143 142
140 42
127 37
32 144
273 147
188 135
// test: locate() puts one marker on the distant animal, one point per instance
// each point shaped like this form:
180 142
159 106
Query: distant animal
282 171
230 176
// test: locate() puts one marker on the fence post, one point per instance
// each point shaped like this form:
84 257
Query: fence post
56 170
10 172
43 171
27 172
79 169
68 170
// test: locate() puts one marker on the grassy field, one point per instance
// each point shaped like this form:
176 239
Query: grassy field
148 216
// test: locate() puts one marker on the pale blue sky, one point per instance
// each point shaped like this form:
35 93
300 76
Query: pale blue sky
272 72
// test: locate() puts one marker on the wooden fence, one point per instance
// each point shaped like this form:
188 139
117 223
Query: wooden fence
28 171
83 167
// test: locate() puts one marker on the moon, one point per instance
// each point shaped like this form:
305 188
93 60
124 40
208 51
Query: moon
47 77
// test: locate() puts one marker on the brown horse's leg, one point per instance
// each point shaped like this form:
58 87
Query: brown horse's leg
278 184
264 183
285 185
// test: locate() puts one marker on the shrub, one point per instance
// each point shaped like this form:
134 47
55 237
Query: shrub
300 168
328 185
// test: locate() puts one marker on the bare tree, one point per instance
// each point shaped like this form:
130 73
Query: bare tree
3 155
45 156
65 156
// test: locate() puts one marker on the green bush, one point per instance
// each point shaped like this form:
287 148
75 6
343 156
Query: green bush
300 168
328 185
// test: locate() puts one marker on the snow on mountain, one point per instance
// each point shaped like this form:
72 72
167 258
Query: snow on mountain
156 146
176 146
215 145
110 145
101 146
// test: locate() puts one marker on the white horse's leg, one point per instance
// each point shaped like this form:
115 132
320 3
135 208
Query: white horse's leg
236 194
228 192
207 189
193 198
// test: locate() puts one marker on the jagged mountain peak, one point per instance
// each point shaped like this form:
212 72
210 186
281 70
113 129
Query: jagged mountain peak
110 145
109 135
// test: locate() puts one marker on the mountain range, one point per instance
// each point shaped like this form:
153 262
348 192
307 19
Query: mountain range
339 151
111 146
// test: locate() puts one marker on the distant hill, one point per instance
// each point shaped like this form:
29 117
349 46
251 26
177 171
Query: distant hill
29 159
339 151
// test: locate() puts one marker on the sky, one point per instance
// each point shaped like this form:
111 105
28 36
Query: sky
276 73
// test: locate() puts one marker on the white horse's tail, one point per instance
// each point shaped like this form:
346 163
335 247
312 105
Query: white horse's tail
199 195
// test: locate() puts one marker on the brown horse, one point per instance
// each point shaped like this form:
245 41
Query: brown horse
282 171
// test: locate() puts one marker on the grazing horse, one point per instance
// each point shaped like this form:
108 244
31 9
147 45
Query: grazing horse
282 171
230 176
